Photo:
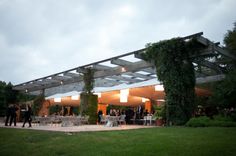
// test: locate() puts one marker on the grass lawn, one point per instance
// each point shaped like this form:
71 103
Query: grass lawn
171 141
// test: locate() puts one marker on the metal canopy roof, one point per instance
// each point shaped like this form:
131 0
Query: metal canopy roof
118 70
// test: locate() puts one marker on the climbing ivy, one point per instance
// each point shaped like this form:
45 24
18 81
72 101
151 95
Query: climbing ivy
38 104
88 101
175 70
88 80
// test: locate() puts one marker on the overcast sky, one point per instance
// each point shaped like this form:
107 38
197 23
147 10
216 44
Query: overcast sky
43 37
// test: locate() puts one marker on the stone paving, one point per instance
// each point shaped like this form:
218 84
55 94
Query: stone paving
81 128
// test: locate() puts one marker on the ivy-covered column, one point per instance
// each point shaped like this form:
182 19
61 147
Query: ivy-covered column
38 104
89 101
175 70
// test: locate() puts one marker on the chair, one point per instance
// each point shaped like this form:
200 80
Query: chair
35 120
145 120
85 119
103 119
122 119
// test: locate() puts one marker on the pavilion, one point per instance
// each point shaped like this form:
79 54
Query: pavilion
127 72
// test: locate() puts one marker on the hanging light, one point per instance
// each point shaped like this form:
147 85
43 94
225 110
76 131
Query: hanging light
57 99
75 97
98 94
123 69
159 88
124 93
161 100
123 98
144 99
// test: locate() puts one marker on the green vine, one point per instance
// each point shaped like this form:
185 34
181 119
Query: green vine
38 104
175 69
88 101
88 80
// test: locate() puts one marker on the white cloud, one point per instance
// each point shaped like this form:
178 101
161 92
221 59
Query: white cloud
39 38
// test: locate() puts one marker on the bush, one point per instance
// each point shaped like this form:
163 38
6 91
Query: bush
216 123
222 118
204 121
55 109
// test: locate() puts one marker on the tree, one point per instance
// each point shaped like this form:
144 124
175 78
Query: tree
230 45
225 91
230 40
7 96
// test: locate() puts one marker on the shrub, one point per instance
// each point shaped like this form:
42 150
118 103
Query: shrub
222 118
204 121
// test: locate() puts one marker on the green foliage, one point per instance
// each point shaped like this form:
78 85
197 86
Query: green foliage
75 110
88 106
175 69
55 109
230 40
159 111
38 103
88 101
204 121
222 118
88 80
230 45
224 92
7 96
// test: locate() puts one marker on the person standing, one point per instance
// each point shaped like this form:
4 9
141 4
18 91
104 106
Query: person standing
8 114
99 116
13 114
27 116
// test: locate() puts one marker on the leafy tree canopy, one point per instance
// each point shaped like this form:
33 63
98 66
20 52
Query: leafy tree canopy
225 91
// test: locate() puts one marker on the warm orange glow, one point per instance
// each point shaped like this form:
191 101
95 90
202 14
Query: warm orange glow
132 97
103 108
148 106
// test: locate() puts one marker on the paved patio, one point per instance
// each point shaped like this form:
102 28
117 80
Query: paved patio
81 128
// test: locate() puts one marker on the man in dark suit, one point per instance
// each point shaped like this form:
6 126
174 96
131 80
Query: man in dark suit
28 116
13 114
8 114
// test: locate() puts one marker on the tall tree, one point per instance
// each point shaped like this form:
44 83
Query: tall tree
230 45
225 91
230 40
7 95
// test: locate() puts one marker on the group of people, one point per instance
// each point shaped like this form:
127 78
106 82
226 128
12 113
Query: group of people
11 114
